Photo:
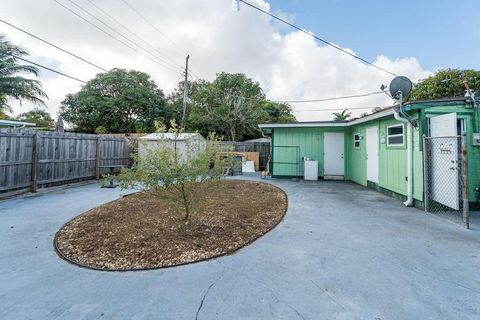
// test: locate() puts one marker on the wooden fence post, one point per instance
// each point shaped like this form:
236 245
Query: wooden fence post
35 151
97 158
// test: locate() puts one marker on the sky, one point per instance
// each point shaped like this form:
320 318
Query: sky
407 40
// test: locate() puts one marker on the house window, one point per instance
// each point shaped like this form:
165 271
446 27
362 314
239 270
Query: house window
395 135
356 140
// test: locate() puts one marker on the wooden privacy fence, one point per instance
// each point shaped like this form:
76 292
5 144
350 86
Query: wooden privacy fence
263 148
34 159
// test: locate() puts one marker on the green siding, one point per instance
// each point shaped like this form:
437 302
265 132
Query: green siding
356 157
310 143
392 160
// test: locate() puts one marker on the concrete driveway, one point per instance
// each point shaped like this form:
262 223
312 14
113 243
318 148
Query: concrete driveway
342 252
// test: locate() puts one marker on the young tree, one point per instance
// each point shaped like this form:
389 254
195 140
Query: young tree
119 101
341 116
41 118
178 176
12 85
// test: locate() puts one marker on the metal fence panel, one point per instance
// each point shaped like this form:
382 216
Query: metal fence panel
445 177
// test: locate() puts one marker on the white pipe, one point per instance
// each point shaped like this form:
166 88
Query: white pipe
397 116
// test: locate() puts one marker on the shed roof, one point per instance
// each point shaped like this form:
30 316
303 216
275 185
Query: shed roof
171 136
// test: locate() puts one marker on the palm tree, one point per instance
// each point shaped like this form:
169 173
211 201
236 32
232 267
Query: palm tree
12 85
341 116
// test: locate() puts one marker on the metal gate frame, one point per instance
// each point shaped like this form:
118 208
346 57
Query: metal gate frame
432 206
297 163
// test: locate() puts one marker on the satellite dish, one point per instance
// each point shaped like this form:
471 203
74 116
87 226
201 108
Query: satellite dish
400 87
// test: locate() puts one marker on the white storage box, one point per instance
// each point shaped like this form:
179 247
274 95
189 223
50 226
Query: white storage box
310 170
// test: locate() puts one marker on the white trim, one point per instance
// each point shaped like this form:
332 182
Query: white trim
396 135
303 124
374 116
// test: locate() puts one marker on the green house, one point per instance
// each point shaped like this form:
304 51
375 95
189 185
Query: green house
385 150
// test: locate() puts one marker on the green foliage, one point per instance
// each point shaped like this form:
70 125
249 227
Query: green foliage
101 130
445 84
12 85
41 118
233 106
341 116
177 176
121 101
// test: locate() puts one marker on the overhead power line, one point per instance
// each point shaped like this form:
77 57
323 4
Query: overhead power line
334 98
53 45
43 67
71 77
147 21
317 38
122 35
151 24
136 35
114 37
335 109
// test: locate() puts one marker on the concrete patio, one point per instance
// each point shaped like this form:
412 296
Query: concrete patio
342 252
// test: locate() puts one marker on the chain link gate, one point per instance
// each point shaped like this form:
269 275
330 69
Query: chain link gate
445 178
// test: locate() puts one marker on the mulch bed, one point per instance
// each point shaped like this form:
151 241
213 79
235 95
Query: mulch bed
142 231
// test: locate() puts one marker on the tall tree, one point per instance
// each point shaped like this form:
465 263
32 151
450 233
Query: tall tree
341 116
13 86
41 118
446 84
119 101
278 112
233 106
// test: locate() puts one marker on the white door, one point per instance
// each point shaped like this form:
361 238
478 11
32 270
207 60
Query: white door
372 154
333 161
444 162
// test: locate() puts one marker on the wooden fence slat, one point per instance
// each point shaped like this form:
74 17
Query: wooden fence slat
36 159
34 163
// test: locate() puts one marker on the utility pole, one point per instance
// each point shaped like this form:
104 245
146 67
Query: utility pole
185 92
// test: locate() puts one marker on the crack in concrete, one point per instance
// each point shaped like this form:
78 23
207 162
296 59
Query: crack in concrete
200 306
269 288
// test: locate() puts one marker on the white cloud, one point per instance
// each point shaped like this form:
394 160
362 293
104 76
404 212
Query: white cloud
289 64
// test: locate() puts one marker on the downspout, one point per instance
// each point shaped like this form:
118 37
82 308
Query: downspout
398 117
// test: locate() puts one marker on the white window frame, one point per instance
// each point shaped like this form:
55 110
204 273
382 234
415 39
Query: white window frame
396 135
355 140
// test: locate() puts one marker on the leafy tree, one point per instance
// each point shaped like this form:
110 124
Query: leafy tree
12 85
233 106
341 116
278 112
119 101
446 84
177 177
41 118
174 106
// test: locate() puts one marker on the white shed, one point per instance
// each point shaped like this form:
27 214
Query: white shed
193 141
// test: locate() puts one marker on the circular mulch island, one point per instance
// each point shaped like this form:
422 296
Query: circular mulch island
142 231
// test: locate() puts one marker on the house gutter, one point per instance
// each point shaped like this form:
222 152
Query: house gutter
398 112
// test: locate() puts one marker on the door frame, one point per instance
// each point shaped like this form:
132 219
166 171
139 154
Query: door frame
325 152
367 156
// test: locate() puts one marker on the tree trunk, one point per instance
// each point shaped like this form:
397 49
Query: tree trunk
186 205
232 133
